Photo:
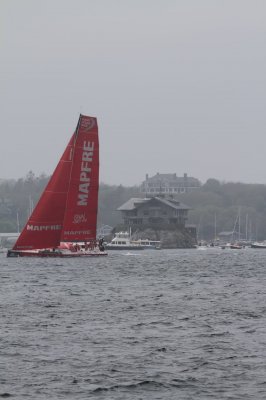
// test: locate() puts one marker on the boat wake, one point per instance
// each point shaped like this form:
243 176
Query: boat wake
131 254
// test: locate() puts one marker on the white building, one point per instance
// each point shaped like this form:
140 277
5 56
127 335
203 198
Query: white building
169 184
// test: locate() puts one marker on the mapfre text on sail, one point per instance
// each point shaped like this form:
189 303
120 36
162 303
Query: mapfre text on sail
85 171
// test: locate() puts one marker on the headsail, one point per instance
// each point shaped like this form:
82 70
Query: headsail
44 226
80 220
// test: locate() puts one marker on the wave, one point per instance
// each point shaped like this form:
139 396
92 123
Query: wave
147 384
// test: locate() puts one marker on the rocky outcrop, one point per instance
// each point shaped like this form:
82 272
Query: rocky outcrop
170 238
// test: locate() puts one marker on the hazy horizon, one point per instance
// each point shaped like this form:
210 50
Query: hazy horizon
176 86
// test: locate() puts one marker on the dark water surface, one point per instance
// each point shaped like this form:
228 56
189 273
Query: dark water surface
169 324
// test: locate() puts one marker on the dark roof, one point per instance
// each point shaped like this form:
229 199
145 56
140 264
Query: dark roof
133 203
172 203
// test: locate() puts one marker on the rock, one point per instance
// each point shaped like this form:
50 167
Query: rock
170 238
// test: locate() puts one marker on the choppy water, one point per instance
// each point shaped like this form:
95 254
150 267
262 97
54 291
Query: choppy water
179 324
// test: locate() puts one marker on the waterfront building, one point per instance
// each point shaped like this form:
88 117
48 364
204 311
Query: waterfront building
168 184
154 211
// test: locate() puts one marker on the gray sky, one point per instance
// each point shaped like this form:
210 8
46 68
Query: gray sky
177 86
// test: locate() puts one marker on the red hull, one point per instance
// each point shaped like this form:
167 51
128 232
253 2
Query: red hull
54 254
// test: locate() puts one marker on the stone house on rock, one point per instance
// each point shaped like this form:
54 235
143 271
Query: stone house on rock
143 212
161 219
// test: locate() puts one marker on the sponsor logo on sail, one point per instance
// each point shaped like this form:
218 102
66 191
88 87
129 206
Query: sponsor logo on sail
79 218
87 232
43 227
87 123
85 171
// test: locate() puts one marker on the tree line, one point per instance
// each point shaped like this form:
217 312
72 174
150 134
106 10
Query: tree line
215 206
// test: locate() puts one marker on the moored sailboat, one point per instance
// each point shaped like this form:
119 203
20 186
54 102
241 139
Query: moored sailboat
66 213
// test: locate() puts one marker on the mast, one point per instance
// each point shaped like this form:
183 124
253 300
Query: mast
71 157
17 223
215 234
246 227
239 234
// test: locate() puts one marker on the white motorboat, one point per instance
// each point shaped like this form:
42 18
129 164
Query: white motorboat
258 245
122 241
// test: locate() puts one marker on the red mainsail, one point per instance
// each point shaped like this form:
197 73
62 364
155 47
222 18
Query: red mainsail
67 209
80 220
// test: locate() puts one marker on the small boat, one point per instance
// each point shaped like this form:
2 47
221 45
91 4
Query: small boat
66 214
258 245
201 247
122 241
236 246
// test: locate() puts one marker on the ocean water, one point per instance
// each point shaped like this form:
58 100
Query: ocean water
168 324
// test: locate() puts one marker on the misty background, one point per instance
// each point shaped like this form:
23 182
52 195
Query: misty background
177 86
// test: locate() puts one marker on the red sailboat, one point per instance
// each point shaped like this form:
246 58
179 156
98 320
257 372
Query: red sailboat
64 221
